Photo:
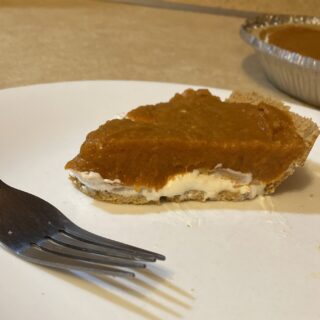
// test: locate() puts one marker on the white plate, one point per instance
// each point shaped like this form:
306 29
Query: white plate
252 260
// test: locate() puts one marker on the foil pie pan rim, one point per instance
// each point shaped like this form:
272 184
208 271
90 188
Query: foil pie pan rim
268 20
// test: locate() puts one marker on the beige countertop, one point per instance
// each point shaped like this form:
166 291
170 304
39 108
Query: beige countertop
50 41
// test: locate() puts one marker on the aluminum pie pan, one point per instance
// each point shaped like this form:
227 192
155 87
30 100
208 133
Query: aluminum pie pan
291 72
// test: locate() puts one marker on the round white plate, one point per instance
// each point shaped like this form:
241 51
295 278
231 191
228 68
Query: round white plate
251 260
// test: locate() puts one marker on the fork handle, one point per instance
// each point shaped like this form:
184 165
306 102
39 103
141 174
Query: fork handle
3 185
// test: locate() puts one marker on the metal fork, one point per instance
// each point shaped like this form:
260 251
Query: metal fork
38 232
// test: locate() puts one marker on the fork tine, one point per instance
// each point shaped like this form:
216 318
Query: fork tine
85 235
36 255
37 231
77 243
57 248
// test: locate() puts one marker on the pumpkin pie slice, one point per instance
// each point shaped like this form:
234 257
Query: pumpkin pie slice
194 147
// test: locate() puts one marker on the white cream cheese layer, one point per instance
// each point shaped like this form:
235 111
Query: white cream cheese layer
211 184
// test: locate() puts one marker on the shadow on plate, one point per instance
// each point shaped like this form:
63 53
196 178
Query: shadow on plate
300 193
148 288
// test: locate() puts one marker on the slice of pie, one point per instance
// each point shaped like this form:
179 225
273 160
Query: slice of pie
194 147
